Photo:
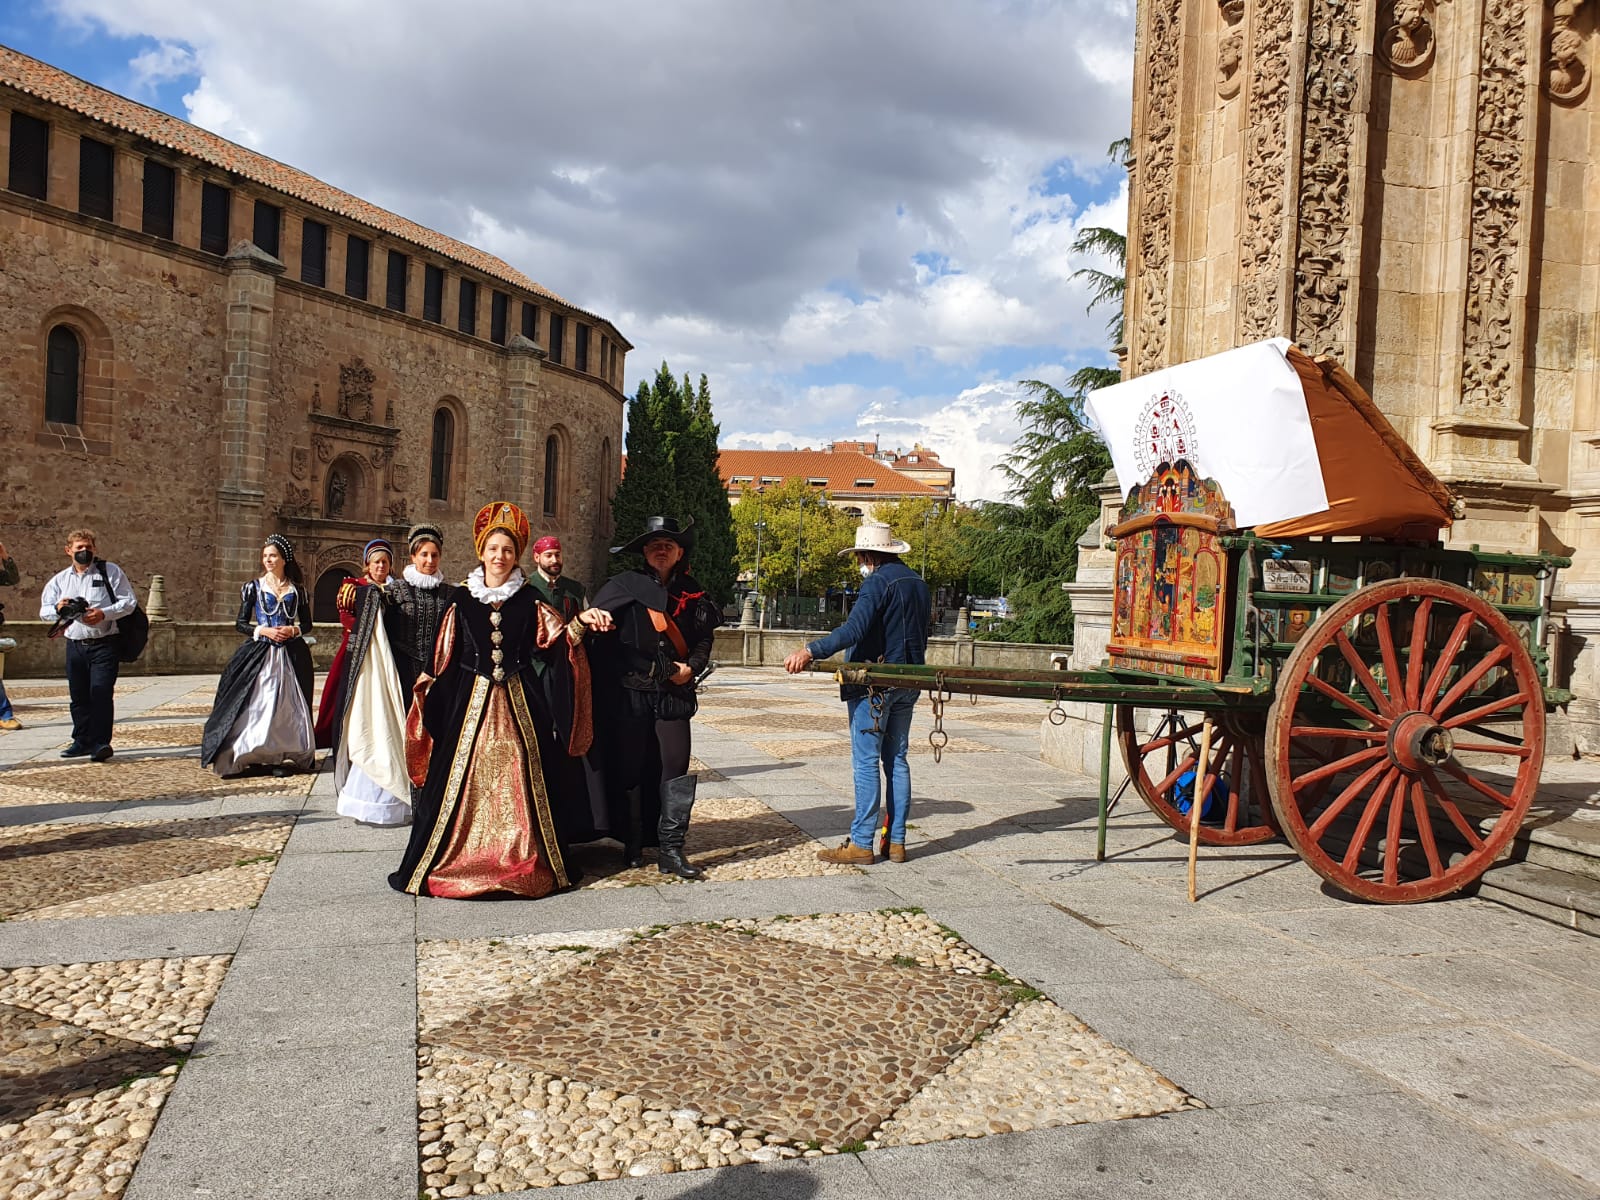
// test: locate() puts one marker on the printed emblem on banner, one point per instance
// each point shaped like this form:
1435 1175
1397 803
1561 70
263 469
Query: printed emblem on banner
1165 433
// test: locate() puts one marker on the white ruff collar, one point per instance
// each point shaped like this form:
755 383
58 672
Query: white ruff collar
418 580
494 595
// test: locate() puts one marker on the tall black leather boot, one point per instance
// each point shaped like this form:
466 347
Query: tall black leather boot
677 801
633 835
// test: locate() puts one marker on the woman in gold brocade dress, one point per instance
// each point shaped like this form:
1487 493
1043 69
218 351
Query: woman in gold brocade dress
477 743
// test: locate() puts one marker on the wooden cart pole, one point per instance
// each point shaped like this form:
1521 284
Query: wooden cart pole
1105 783
1197 801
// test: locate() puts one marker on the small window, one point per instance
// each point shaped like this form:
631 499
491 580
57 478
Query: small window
268 225
815 481
580 346
160 195
30 156
395 294
558 335
552 465
314 253
530 321
611 367
468 316
743 479
770 479
63 363
357 251
498 303
433 294
444 443
96 178
216 207
866 483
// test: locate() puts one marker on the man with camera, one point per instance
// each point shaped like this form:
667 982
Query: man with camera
84 601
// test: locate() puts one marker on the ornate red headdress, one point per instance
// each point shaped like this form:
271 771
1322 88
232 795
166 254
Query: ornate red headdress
504 516
546 543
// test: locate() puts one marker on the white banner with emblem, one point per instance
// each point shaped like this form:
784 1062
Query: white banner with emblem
1239 417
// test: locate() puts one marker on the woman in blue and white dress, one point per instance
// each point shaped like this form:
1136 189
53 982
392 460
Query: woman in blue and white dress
262 714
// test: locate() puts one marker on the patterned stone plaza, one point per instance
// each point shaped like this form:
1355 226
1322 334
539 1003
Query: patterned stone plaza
206 987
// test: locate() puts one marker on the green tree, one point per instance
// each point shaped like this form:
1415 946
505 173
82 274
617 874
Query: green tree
795 517
940 552
672 471
703 497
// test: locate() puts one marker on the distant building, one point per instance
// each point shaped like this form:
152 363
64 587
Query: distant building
203 346
857 476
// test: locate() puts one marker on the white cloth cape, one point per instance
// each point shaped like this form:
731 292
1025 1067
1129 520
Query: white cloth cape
370 771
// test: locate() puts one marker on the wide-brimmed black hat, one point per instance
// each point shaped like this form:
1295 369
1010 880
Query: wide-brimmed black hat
655 527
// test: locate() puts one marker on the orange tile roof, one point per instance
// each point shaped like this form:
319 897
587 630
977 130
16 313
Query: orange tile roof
40 79
841 470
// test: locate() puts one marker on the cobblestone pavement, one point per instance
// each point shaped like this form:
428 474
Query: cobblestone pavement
225 955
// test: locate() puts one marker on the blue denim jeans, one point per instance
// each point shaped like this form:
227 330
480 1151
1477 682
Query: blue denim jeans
5 703
883 751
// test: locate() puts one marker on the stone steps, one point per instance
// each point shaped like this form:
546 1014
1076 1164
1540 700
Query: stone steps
1553 872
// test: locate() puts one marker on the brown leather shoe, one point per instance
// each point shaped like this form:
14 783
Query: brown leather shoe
897 852
847 852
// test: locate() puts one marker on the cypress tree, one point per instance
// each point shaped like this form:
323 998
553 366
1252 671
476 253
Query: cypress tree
703 496
647 487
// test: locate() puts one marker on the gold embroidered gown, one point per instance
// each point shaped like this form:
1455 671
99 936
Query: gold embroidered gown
484 824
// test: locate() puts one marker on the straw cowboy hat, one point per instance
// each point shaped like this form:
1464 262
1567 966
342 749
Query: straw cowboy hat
876 536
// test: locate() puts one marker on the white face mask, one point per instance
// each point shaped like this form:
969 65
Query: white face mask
865 570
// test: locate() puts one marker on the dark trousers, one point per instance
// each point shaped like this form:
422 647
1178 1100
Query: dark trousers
91 682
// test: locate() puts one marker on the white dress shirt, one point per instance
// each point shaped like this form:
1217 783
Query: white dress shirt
66 584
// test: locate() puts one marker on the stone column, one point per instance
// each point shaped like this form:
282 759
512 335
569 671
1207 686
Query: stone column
524 455
252 281
1075 744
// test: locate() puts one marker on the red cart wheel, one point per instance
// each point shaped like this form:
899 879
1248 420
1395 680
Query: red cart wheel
1157 761
1406 740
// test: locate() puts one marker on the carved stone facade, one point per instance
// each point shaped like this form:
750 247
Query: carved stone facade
227 395
1412 186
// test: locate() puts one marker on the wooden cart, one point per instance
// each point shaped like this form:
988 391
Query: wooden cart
1377 699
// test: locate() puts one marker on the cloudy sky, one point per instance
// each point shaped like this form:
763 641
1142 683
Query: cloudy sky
853 215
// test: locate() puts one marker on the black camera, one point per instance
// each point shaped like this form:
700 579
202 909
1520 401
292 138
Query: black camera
67 614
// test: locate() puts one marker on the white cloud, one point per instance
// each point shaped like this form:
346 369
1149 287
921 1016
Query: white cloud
755 191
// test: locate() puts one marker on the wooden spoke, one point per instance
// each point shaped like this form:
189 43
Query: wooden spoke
1369 817
1155 764
1342 801
1336 767
1447 656
1517 749
1361 710
1464 685
1442 799
1488 710
1338 731
1328 770
1419 643
1363 676
1419 812
1457 771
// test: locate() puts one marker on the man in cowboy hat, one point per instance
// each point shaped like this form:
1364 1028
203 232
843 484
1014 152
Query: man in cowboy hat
888 624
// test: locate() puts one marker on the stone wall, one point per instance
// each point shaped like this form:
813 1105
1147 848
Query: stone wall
220 395
1414 189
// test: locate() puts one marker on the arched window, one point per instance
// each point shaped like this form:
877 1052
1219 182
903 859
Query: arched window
552 465
64 359
444 442
608 468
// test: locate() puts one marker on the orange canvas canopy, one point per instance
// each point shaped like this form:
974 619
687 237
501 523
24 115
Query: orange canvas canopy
1376 484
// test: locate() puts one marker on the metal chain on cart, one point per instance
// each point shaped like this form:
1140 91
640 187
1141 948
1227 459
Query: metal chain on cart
875 699
937 737
1058 712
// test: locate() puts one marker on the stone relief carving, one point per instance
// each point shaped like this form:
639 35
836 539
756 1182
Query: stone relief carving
1230 48
396 511
1157 160
356 381
1321 283
296 502
398 475
316 397
1407 42
299 461
324 448
1499 173
1567 73
1266 180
